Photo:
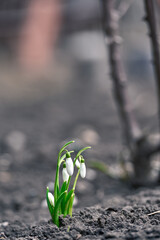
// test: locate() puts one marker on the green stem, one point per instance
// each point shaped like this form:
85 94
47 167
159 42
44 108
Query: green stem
56 184
67 201
75 181
68 183
71 205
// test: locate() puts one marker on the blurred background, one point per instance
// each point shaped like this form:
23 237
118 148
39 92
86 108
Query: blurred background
55 86
56 49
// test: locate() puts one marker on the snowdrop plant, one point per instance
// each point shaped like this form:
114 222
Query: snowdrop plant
61 202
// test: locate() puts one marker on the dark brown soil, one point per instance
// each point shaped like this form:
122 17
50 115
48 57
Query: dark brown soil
127 220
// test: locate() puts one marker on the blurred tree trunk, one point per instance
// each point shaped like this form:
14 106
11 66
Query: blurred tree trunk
151 19
139 146
155 44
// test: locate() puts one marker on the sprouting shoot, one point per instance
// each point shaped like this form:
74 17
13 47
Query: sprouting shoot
61 202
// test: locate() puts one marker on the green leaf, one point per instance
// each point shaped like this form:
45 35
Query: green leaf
58 192
69 195
67 202
50 207
57 209
63 188
63 204
70 206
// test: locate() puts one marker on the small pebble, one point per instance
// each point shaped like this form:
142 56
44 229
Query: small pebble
16 140
83 187
4 224
91 174
127 208
5 177
5 161
75 202
90 136
44 204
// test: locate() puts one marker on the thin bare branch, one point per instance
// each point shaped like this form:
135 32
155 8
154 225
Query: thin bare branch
156 212
154 37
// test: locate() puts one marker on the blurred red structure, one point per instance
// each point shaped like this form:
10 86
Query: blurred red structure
39 33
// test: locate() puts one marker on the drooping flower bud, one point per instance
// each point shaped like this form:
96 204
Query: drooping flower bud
65 173
51 198
77 164
82 168
69 164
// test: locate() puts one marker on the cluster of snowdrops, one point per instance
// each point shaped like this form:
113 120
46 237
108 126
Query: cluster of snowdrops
62 200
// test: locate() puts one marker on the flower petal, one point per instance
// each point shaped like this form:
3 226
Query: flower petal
83 170
51 198
77 163
69 166
65 175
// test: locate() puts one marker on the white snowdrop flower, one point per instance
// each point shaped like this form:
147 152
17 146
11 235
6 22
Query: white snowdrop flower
82 169
51 198
69 164
77 163
65 173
